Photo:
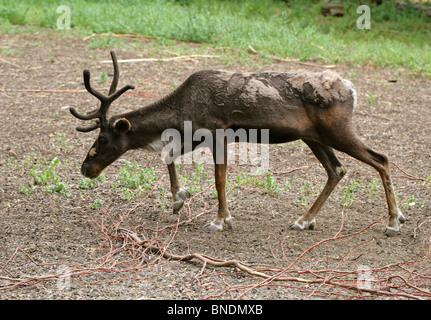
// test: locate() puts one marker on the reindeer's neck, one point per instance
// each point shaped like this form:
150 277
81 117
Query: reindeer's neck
149 122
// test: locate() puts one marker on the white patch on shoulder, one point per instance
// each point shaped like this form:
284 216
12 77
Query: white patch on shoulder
156 145
352 90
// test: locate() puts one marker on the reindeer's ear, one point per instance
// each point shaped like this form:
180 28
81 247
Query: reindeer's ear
121 126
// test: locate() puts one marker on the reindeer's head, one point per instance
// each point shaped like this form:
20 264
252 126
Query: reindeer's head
112 141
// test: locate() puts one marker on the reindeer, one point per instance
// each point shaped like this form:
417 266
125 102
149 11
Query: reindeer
314 107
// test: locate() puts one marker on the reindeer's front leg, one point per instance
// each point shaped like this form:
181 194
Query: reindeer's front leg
223 215
179 193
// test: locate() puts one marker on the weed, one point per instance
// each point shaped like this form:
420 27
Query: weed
269 184
103 77
96 204
371 99
46 177
60 140
410 202
27 190
305 192
348 195
87 183
372 187
163 198
134 180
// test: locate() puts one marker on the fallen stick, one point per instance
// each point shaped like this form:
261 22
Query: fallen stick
188 57
329 66
44 90
11 63
208 260
120 35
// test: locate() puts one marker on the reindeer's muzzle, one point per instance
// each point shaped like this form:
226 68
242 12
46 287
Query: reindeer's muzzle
90 171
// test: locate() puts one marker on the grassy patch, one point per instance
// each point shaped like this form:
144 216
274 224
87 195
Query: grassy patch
295 29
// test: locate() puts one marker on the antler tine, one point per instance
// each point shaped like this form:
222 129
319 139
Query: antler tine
90 116
118 93
112 93
101 97
94 92
116 73
89 128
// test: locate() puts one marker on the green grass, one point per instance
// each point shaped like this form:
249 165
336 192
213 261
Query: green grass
272 27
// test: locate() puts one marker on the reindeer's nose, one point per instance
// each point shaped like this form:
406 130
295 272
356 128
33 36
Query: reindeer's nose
90 171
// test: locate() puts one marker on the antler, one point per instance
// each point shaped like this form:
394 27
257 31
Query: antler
105 100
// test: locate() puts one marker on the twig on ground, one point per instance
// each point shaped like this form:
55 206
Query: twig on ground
179 58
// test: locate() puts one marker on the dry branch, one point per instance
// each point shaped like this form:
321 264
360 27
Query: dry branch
297 61
43 90
179 58
11 63
121 35
207 260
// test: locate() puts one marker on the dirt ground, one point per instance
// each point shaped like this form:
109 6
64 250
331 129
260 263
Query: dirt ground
54 246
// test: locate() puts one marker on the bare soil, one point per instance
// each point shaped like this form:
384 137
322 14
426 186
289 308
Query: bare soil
54 246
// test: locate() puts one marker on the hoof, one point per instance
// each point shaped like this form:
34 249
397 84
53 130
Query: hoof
179 198
177 206
392 229
211 227
401 217
391 232
216 226
304 225
228 223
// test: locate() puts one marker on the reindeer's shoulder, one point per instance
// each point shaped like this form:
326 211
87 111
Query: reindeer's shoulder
322 87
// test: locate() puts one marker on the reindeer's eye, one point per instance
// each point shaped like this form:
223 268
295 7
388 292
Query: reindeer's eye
102 140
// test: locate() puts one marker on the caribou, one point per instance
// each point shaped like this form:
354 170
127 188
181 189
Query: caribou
316 107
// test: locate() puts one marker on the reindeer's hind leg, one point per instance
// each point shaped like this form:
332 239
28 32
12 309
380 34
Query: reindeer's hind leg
349 143
335 172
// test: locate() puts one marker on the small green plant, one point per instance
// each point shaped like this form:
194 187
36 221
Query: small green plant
198 178
372 187
174 85
60 140
96 204
267 182
27 190
349 193
46 177
134 180
11 162
371 99
87 183
305 192
163 198
58 186
270 184
410 202
103 77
